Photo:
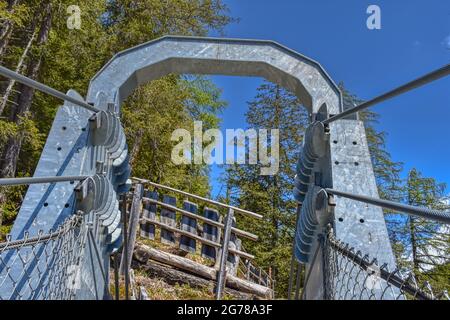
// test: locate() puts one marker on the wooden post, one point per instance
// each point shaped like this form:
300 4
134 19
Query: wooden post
168 217
143 295
133 285
125 242
135 210
190 225
247 264
235 243
149 211
116 275
210 232
221 275
297 281
293 260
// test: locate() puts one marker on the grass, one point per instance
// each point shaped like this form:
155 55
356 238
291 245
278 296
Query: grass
158 289
157 244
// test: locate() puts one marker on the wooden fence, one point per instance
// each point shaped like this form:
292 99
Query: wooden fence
199 229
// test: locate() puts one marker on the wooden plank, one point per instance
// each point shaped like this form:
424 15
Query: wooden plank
168 218
188 224
135 210
210 232
149 211
193 196
200 239
238 232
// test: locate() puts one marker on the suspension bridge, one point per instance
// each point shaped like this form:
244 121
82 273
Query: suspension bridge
74 215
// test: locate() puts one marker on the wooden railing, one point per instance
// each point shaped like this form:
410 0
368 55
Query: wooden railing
256 274
207 224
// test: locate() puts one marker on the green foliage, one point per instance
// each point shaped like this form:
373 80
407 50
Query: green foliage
150 116
132 22
18 13
70 58
271 196
387 172
9 207
7 131
424 244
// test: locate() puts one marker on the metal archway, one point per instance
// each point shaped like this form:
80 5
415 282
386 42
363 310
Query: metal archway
174 54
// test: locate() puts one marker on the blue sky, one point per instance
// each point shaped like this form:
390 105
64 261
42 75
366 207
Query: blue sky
414 40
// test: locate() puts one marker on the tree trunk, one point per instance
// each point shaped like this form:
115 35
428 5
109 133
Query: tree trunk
412 228
6 30
136 147
11 152
412 232
143 254
19 67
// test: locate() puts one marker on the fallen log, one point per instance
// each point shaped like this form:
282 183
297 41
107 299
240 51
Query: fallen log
143 253
173 276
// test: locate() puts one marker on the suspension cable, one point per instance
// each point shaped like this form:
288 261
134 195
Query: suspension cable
430 77
44 88
436 215
35 180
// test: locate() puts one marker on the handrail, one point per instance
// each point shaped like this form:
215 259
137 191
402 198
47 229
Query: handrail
217 203
234 230
432 76
198 238
44 88
439 216
36 180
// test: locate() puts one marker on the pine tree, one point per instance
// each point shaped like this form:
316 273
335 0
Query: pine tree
271 196
425 244
419 245
63 58
387 172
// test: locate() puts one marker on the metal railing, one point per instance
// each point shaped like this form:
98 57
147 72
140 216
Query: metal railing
44 266
43 88
422 212
37 180
430 77
350 275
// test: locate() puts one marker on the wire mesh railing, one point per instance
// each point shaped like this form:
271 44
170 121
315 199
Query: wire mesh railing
350 275
45 266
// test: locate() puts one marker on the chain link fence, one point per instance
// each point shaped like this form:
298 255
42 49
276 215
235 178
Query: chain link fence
349 275
45 266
